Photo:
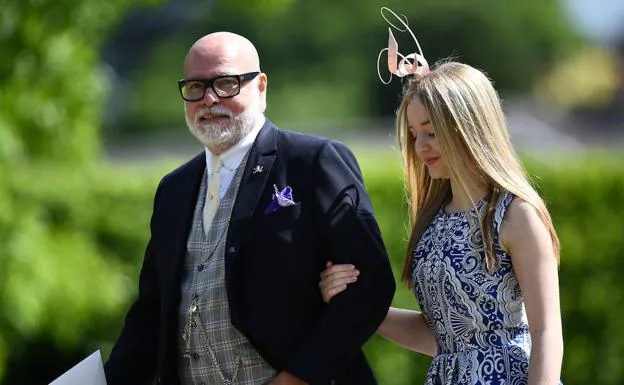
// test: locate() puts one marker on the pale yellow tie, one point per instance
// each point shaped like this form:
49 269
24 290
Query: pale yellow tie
213 195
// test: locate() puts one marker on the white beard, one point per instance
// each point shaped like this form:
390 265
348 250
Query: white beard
224 136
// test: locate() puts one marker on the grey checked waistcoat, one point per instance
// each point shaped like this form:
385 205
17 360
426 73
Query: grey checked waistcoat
211 350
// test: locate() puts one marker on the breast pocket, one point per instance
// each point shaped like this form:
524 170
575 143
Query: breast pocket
285 213
283 225
284 218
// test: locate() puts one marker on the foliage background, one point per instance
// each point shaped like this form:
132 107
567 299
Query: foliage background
73 220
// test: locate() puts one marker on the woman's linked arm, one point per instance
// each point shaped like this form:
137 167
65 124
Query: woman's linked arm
407 328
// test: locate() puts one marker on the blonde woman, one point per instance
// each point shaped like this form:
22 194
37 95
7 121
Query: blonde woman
482 257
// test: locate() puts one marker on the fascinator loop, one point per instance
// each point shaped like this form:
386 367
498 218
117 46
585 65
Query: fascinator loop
413 64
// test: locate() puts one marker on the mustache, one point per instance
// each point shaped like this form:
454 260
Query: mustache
213 110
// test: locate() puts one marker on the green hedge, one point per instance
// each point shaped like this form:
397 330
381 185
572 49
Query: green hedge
72 244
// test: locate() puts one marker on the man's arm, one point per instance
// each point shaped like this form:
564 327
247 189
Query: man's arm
133 358
350 234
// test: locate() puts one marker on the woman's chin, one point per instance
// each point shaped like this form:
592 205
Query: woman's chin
435 174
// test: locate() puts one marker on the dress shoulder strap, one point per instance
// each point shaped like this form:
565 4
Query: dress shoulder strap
504 201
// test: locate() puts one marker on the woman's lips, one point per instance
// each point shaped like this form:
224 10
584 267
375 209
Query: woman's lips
431 161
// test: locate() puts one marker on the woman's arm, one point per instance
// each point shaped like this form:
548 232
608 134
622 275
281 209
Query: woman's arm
406 328
528 241
409 329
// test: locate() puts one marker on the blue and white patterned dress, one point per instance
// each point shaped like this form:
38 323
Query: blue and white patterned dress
478 318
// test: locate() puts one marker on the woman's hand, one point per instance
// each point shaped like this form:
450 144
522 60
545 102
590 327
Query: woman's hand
335 278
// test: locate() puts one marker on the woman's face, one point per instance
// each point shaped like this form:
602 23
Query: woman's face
425 142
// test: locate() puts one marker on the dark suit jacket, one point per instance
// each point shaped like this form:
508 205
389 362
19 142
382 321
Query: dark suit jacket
273 262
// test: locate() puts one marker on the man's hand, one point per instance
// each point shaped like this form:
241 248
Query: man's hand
285 378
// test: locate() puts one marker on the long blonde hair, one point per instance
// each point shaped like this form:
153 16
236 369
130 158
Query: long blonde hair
466 115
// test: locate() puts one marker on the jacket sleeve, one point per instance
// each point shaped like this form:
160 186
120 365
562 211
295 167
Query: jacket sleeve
133 359
350 234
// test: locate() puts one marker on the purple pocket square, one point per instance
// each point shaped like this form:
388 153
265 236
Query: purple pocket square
279 199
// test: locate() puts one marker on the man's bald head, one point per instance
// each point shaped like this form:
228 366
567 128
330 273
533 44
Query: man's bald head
221 50
220 122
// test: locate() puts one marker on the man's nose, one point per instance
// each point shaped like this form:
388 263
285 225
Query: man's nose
210 97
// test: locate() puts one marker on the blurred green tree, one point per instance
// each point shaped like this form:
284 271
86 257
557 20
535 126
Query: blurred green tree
51 89
321 56
51 85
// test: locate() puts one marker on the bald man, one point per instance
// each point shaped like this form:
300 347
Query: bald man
228 290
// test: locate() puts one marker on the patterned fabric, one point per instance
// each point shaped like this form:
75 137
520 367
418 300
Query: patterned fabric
477 317
212 350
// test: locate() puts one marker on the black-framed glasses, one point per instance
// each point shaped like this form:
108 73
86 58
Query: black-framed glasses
224 86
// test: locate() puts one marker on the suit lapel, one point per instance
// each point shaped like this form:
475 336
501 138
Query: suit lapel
185 190
253 182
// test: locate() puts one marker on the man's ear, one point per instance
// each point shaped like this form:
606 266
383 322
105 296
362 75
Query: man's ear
262 87
263 81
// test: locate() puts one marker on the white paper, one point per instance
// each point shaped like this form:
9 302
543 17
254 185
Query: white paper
89 371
